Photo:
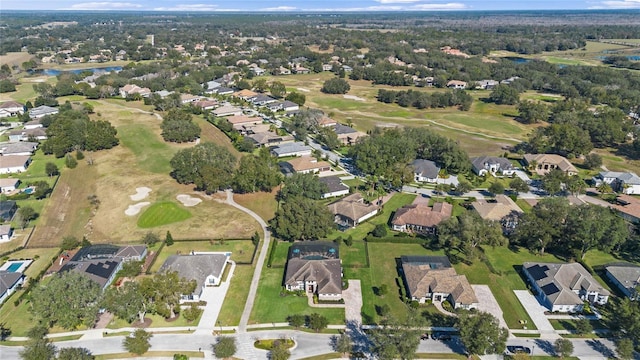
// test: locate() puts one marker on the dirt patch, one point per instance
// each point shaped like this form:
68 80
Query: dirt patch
141 193
304 90
353 97
188 200
134 209
137 324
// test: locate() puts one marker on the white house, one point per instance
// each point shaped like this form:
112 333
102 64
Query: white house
457 84
5 233
624 182
26 134
626 278
14 164
33 124
206 268
291 149
8 185
42 111
335 187
564 287
9 283
425 171
492 165
314 267
11 108
18 148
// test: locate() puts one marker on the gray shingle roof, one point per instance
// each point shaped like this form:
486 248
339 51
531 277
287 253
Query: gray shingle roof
327 273
483 162
426 168
8 279
290 148
196 267
627 276
558 281
334 184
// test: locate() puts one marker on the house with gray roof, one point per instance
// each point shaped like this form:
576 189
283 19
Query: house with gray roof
27 134
425 171
335 187
42 111
9 283
315 267
624 182
25 148
433 278
291 149
626 278
352 210
492 165
564 287
206 268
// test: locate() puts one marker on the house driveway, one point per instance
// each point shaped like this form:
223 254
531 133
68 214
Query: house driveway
488 303
353 302
536 312
214 296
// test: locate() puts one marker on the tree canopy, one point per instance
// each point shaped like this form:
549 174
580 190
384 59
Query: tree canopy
207 165
481 334
301 218
467 232
178 126
305 185
256 173
72 129
335 86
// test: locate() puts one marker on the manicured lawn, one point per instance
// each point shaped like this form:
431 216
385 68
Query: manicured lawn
152 153
262 203
162 213
270 307
368 298
571 324
149 354
156 321
241 250
233 304
281 253
354 255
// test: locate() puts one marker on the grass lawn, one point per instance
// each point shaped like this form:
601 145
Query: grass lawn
281 253
270 307
151 152
262 203
571 324
241 250
353 256
150 354
156 322
368 298
162 213
233 304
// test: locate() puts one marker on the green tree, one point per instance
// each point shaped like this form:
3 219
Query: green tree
379 231
279 351
168 239
624 348
335 86
518 185
256 173
302 219
575 185
328 137
126 302
395 340
544 225
302 185
624 319
51 169
296 97
68 300
178 126
496 188
296 320
5 331
277 89
25 214
70 162
342 344
504 95
150 238
75 353
260 85
563 347
591 226
467 232
604 188
138 342
463 187
7 86
225 347
42 189
192 312
38 347
481 334
532 112
592 161
209 166
70 243
583 326
553 180
163 292
317 322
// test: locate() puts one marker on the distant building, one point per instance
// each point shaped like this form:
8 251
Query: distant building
457 84
626 278
425 171
493 165
335 187
42 111
624 182
308 164
501 209
352 210
542 164
291 149
11 108
22 148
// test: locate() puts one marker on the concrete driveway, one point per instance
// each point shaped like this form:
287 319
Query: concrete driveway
488 303
536 312
353 302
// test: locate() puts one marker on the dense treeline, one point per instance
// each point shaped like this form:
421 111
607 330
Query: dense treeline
178 126
423 100
388 153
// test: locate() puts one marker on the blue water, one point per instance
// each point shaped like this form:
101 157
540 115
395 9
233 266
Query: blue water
54 72
517 60
630 57
28 191
14 267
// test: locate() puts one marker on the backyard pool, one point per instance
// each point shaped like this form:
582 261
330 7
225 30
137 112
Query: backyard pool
28 190
16 265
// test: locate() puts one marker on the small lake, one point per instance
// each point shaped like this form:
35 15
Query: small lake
517 60
630 57
55 72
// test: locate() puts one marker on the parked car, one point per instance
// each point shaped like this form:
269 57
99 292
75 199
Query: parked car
424 337
519 349
441 336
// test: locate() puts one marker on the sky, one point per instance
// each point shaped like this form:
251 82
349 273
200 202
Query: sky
316 5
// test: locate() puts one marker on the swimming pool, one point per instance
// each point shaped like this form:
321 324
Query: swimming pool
13 267
28 190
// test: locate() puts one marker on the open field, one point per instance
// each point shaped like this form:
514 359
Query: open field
237 294
142 159
211 133
15 58
162 213
262 203
241 250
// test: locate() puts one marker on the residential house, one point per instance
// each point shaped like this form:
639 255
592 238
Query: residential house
9 185
5 233
501 209
224 91
628 207
487 84
348 135
14 164
245 94
42 111
248 129
27 135
425 171
283 105
291 149
421 218
626 278
9 283
335 187
564 287
189 99
327 121
33 124
433 278
24 148
352 210
11 108
8 209
327 67
315 268
624 182
206 268
238 121
283 71
164 93
262 100
301 70
269 139
101 263
212 86
542 164
509 80
131 89
455 52
457 84
308 164
258 71
347 68
492 165
227 110
206 104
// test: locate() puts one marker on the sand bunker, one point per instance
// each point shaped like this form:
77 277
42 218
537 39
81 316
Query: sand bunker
141 193
304 90
135 208
353 97
188 200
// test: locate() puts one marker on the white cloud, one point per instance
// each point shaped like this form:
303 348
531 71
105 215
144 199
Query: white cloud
104 5
396 1
447 6
617 4
280 8
193 7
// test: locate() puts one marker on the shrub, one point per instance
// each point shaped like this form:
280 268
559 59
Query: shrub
192 313
70 162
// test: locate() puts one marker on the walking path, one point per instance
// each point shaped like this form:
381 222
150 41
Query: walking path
214 296
537 314
438 306
253 288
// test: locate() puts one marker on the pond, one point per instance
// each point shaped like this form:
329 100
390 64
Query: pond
56 72
517 60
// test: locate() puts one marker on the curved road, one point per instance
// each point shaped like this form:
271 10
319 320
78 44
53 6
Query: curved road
253 288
